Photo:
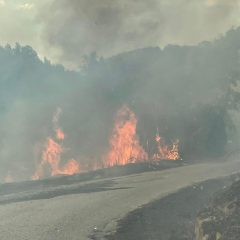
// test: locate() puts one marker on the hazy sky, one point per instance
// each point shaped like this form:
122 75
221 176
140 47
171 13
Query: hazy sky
66 30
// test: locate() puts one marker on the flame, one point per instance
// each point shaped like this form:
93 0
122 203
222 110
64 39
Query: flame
124 144
60 134
124 148
51 155
70 168
165 152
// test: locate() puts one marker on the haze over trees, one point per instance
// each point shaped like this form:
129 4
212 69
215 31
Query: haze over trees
188 92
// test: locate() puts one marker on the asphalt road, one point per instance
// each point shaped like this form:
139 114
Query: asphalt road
81 215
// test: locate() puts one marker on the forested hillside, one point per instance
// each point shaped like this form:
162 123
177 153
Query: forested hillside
182 92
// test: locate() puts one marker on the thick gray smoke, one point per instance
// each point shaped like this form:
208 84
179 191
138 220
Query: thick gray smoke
109 27
184 92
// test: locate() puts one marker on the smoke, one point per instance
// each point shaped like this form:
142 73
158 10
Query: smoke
65 31
182 92
80 27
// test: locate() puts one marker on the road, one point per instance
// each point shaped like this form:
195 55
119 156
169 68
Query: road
78 216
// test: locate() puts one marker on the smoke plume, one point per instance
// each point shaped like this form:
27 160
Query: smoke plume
78 28
183 93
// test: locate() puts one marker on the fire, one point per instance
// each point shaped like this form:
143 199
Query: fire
124 148
124 144
51 155
70 168
165 152
60 134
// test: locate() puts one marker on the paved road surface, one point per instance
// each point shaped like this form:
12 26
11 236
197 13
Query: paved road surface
77 216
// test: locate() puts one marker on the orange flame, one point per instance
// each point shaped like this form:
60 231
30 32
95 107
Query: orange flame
165 152
124 144
60 134
51 155
124 148
72 167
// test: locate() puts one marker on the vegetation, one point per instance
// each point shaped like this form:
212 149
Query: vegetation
185 92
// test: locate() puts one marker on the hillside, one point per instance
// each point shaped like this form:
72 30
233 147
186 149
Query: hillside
182 92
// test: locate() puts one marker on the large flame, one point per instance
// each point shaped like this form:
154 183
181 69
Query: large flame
124 144
51 155
124 148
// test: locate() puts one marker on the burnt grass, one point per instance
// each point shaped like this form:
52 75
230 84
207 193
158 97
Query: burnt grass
171 218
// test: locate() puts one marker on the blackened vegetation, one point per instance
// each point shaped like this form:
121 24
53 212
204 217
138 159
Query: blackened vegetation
182 92
221 219
171 218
